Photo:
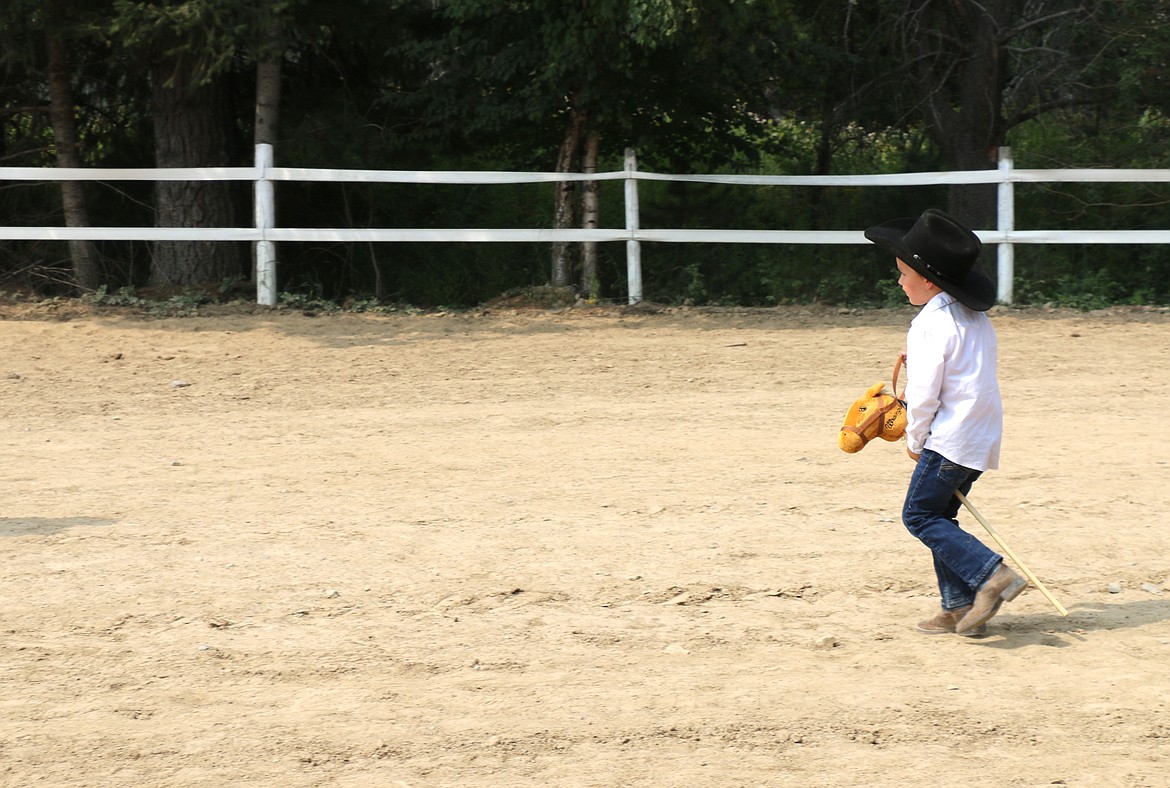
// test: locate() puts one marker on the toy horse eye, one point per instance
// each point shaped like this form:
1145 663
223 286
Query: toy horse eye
862 409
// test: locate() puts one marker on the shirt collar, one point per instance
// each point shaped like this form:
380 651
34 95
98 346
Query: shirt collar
943 299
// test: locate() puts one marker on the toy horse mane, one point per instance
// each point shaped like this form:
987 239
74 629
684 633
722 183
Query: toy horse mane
876 414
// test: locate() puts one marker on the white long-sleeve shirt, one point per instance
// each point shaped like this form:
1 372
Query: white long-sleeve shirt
953 404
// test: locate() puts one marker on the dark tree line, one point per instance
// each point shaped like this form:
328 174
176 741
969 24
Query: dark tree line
775 86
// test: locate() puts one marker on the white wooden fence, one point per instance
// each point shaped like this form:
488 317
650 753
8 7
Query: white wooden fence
265 233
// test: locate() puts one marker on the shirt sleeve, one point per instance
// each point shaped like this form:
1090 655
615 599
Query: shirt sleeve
926 354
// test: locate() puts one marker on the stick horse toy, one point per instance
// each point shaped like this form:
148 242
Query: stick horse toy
876 414
882 414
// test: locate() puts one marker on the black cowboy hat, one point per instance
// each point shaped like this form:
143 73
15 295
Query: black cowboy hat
937 246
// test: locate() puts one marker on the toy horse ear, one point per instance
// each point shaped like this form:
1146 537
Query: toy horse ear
874 390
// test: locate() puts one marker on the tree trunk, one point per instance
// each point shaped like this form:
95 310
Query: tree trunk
563 210
966 102
86 267
590 219
191 131
974 204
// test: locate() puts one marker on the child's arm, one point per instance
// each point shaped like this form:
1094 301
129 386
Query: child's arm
925 365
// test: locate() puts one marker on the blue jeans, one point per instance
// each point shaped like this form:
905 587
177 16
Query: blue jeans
961 562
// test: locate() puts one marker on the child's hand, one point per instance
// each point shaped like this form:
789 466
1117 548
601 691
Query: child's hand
913 456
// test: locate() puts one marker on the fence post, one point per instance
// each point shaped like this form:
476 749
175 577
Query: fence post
633 248
1006 223
265 210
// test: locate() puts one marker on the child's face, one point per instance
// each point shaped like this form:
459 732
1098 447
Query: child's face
917 287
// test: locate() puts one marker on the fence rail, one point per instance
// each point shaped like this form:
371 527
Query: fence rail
265 233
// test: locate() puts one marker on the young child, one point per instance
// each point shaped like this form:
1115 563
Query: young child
953 408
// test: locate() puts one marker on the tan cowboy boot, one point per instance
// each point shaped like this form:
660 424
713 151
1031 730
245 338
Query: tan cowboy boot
1004 585
946 621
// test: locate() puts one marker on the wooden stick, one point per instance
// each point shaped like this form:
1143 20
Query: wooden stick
1015 560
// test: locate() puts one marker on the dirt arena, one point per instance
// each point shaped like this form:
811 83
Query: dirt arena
590 547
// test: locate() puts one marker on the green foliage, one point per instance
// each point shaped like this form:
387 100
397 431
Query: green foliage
204 38
646 74
184 304
1092 277
763 86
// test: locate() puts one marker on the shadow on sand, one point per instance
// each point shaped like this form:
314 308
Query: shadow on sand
1007 631
44 526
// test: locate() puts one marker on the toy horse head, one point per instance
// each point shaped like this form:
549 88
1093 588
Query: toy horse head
878 414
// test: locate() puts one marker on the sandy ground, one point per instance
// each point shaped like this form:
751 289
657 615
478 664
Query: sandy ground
581 548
